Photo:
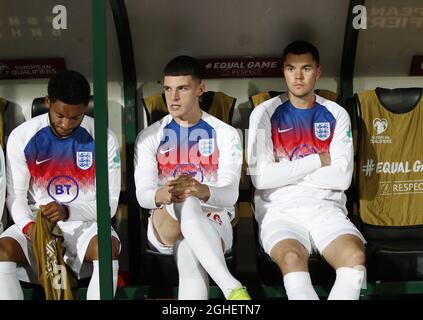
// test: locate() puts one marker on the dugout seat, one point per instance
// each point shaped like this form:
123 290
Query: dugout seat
39 107
216 103
390 205
268 271
260 97
158 269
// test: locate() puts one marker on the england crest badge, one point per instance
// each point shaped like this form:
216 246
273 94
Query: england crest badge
84 160
206 147
322 130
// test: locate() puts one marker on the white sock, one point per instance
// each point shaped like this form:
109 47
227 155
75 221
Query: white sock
298 286
205 242
193 279
93 291
348 283
10 289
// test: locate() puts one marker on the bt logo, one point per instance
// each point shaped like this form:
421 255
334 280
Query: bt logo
63 189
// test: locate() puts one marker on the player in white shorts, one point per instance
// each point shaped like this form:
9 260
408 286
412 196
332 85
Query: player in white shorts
187 171
51 166
2 187
300 157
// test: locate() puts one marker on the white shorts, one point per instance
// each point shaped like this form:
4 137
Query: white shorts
314 230
219 220
76 238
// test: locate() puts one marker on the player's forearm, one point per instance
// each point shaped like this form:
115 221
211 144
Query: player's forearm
225 196
82 211
20 211
146 196
87 210
146 182
225 192
337 176
279 174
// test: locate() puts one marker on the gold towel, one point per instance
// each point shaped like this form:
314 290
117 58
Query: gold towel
48 252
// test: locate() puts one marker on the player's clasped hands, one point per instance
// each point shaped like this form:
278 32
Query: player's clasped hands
185 186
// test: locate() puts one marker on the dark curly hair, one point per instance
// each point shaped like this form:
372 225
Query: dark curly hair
70 87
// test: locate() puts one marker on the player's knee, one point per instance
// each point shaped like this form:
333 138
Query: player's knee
92 250
6 253
355 257
292 259
115 248
289 259
352 256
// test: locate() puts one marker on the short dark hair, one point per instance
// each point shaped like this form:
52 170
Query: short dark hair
70 87
183 66
301 47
